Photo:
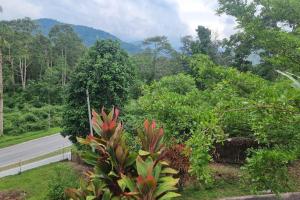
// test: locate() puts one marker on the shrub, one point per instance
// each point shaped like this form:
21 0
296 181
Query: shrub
187 110
200 157
64 177
120 173
178 158
267 169
31 119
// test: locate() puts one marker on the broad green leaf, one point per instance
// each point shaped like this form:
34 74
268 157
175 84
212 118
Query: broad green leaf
143 153
169 171
169 195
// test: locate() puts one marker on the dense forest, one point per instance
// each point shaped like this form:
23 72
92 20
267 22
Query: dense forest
207 91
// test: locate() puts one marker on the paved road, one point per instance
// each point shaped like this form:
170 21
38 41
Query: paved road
32 149
17 170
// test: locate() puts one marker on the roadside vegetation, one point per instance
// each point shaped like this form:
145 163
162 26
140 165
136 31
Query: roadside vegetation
163 120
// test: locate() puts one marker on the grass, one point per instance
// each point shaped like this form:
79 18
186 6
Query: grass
8 140
34 182
227 184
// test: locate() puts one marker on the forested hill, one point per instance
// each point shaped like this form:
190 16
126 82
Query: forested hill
88 35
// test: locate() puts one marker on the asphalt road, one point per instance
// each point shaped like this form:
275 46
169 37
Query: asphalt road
31 149
17 170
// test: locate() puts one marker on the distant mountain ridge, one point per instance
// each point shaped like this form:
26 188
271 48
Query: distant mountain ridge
88 35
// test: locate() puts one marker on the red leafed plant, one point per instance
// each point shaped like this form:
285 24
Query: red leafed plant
119 173
178 159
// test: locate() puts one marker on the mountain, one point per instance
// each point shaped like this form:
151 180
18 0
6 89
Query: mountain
88 35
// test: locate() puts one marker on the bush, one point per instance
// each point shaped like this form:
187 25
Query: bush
64 177
267 169
178 158
200 157
29 118
177 111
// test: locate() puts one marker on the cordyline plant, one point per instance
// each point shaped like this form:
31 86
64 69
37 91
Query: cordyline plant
119 173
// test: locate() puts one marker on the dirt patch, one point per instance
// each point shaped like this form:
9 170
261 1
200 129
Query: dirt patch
12 195
225 171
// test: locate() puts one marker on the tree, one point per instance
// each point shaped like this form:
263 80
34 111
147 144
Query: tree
269 29
203 44
158 59
2 43
67 48
20 42
107 73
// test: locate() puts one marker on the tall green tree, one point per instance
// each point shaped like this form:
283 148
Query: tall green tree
107 73
2 41
204 43
268 28
67 48
158 59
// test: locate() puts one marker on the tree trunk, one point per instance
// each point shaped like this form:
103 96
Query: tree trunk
11 61
23 71
1 95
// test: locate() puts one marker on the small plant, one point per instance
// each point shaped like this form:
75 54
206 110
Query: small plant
200 145
120 173
179 160
268 170
62 179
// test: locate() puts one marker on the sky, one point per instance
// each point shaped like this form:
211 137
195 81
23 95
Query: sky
130 20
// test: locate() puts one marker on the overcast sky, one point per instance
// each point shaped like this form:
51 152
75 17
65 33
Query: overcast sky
130 20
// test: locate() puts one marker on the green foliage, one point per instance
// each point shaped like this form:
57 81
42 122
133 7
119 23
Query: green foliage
200 146
29 118
267 170
269 29
107 73
60 180
219 102
118 172
157 60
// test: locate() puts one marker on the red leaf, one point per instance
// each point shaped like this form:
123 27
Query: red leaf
140 180
146 125
153 125
117 112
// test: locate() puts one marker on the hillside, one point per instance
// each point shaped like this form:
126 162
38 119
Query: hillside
87 34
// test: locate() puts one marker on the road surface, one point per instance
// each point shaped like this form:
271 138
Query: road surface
17 170
32 149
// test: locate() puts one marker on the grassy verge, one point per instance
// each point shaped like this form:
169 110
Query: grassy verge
34 182
227 184
54 153
8 140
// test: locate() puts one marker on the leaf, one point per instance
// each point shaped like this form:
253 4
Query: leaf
90 197
169 179
128 183
169 171
143 153
141 166
106 195
169 195
162 188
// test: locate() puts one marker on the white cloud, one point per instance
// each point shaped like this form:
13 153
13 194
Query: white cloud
13 9
203 12
130 20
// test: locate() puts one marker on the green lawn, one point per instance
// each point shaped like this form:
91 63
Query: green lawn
34 182
219 190
8 140
227 184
